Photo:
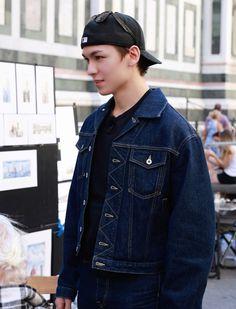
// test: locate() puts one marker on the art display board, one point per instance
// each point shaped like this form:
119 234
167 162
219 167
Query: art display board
27 104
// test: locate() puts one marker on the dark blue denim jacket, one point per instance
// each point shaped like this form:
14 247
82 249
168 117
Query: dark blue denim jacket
158 213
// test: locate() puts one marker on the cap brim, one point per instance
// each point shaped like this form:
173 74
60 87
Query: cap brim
150 59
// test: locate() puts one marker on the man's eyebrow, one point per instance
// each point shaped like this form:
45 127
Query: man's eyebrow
92 53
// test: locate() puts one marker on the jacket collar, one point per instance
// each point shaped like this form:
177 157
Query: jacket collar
151 107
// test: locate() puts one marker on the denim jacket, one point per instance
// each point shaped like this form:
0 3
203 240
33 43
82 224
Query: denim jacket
158 214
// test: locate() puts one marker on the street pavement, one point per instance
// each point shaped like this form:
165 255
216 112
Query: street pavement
221 293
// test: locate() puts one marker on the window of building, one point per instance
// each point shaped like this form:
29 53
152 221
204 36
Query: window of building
216 26
234 29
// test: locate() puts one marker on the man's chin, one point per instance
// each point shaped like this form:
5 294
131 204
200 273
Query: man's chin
103 92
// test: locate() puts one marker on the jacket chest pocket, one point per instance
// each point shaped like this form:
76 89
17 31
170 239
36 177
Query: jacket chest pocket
146 172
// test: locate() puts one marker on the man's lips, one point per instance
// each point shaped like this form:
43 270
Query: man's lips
98 82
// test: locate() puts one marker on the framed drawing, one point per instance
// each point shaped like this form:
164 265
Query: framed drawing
38 247
45 90
26 95
15 130
42 129
18 169
7 88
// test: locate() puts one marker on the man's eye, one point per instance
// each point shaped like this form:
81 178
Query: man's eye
99 57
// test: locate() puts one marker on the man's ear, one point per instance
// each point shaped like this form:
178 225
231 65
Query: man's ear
134 55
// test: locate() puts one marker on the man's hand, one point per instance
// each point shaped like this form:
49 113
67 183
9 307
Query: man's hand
63 303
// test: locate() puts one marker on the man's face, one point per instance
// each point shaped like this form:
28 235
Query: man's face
110 72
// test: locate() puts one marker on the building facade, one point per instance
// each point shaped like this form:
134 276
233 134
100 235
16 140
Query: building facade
194 39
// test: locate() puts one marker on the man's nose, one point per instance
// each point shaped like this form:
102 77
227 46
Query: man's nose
91 69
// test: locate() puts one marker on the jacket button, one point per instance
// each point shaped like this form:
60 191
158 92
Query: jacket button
80 229
99 264
90 148
113 188
104 244
84 202
107 215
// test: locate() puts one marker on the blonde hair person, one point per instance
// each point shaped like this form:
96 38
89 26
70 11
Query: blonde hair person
14 293
12 257
227 161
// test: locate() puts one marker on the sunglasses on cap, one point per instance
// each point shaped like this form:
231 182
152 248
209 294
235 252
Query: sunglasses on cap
100 18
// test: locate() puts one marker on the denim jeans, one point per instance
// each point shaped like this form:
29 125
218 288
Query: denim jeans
99 289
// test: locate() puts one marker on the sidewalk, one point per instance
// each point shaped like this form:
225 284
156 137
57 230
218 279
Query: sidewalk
221 294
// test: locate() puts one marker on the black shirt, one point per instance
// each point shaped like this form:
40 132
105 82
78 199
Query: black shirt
108 131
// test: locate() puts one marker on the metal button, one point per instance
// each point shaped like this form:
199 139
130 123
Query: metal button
84 202
80 228
90 148
107 215
113 188
86 175
99 264
104 244
149 160
115 161
134 120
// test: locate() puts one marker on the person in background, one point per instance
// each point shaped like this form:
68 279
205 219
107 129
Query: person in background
227 160
224 120
139 228
14 293
213 125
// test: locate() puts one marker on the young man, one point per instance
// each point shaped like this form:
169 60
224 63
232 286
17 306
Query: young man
139 230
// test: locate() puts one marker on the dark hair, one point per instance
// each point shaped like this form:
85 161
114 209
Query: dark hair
226 135
218 106
142 64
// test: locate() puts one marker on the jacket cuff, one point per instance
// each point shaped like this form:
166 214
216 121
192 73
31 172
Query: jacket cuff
65 292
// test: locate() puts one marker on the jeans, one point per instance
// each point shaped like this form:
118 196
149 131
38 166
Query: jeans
99 289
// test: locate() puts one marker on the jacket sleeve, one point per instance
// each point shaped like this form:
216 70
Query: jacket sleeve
191 230
67 281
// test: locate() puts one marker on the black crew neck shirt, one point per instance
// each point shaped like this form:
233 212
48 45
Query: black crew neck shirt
108 131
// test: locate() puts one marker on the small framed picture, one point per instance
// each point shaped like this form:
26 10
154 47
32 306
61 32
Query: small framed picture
45 90
42 129
15 130
18 169
26 94
7 88
38 247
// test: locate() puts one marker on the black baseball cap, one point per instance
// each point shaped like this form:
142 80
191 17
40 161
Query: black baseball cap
118 29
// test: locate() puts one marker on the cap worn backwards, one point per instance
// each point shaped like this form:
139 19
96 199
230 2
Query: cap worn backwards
118 29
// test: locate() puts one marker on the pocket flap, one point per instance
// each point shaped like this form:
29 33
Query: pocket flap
148 158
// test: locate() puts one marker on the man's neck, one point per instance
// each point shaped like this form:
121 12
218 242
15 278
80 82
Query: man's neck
127 98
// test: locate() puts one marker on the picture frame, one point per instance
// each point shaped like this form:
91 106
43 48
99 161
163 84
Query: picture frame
18 169
26 90
15 130
7 88
45 90
38 247
42 129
